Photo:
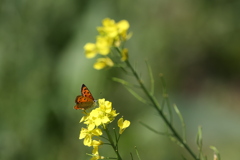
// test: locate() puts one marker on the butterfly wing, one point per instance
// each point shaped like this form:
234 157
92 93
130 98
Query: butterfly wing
84 101
85 92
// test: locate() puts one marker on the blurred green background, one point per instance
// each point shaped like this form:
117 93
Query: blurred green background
195 44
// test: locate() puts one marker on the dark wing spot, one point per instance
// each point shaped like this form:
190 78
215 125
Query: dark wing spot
77 100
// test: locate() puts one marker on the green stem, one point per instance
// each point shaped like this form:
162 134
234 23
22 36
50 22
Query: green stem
165 95
112 143
156 106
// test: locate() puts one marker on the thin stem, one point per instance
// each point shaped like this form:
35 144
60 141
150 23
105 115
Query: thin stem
165 96
117 138
112 143
137 153
156 106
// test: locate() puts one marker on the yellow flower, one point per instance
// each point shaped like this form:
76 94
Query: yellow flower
124 54
123 125
87 120
95 145
111 34
109 28
90 50
83 118
90 123
123 26
103 45
95 152
117 32
102 63
106 106
87 135
104 114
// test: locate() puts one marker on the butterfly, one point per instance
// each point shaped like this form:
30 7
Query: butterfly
86 100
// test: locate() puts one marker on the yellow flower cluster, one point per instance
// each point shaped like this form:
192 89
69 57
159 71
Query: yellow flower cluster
111 34
96 119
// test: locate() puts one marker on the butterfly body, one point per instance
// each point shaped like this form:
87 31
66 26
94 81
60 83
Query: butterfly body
85 100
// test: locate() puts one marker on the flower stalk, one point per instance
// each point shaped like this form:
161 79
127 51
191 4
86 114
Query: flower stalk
114 146
157 107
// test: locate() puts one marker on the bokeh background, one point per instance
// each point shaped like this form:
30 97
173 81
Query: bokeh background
195 44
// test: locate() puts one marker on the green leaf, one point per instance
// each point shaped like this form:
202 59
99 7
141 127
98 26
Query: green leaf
136 95
199 138
151 78
199 142
216 153
119 80
123 82
127 85
182 122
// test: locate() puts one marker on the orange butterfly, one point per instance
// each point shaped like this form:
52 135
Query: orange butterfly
86 100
